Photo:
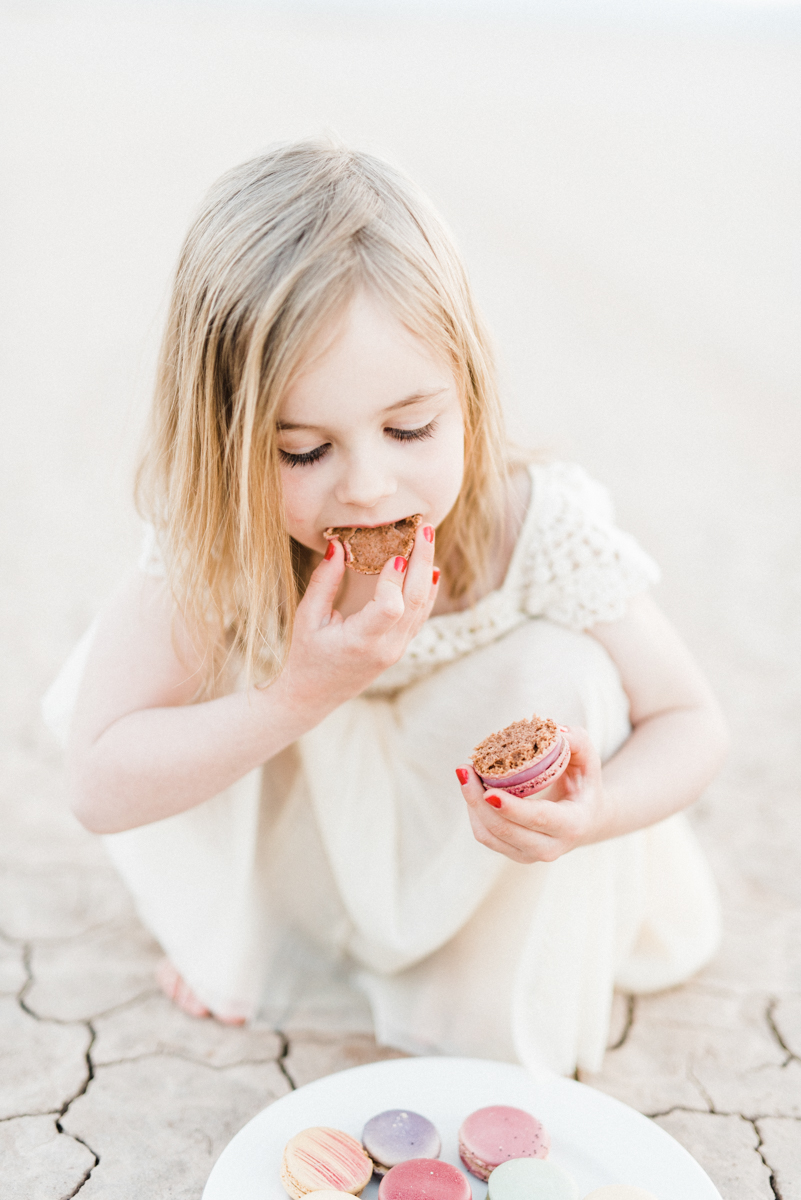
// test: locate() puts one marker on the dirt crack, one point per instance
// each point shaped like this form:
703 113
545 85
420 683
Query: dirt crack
630 1011
27 951
48 1112
88 1172
693 1078
702 1112
774 1029
90 1074
198 1062
774 1187
282 1057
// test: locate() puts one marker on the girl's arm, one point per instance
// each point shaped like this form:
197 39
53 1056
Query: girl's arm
140 750
678 741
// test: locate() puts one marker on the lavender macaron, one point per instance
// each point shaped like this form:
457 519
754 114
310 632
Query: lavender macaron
398 1135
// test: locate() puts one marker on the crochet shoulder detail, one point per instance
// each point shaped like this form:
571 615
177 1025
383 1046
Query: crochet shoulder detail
578 567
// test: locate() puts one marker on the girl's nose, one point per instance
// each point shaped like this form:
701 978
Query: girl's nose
365 481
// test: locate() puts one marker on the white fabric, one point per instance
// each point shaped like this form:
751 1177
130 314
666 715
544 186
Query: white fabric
353 849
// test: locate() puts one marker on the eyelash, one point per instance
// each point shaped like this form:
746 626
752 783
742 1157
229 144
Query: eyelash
400 435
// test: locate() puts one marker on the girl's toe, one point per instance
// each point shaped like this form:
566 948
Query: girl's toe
177 990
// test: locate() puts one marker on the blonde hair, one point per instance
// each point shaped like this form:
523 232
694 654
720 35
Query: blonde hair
280 247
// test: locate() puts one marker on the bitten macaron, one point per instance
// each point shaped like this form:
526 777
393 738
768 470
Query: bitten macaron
491 1136
323 1159
367 548
398 1134
523 758
424 1179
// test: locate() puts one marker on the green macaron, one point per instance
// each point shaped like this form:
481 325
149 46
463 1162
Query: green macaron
531 1179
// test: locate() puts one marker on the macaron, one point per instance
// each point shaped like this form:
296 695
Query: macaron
491 1136
424 1179
326 1194
531 1179
523 758
367 548
394 1136
619 1191
322 1159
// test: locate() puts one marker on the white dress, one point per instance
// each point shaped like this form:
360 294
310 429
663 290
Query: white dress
352 848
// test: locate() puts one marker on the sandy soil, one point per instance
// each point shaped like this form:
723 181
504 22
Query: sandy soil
628 203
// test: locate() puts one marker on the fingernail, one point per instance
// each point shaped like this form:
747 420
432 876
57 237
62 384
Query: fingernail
400 564
330 551
462 775
428 533
435 575
563 729
495 801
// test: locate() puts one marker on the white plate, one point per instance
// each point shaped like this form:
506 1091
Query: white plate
597 1139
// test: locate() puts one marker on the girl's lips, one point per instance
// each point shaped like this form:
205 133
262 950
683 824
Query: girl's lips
362 525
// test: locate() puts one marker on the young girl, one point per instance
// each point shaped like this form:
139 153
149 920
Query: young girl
268 739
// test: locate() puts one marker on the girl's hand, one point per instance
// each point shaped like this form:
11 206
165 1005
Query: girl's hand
332 658
543 827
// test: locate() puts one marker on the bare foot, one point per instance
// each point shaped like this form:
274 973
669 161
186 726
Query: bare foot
177 990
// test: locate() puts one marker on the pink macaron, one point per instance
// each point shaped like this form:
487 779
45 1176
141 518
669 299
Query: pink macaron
424 1179
523 758
494 1135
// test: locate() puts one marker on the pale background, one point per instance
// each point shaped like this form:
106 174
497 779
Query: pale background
624 181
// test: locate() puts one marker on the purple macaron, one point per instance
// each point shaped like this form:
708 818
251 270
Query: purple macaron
398 1135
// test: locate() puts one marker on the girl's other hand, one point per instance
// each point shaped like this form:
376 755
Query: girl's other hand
332 658
541 828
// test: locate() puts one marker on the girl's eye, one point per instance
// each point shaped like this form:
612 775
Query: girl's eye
413 435
309 456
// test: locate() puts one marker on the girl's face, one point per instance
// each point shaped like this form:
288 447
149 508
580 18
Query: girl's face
371 431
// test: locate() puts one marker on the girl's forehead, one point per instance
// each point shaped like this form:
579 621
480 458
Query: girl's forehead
366 362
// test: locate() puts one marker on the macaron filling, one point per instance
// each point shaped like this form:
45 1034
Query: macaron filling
529 773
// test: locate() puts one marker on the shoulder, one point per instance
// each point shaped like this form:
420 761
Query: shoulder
563 486
576 566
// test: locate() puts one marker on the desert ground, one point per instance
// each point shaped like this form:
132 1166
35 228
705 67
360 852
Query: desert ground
627 197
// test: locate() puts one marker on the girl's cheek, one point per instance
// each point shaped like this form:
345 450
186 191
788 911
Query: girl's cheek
301 508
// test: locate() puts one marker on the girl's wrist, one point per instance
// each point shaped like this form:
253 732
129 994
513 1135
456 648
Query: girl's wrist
291 709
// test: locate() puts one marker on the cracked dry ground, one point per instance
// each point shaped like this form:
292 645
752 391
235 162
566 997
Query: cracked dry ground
107 1091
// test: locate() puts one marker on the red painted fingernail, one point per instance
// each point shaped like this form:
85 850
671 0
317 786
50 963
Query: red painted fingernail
435 575
495 801
330 551
564 729
400 564
462 775
428 533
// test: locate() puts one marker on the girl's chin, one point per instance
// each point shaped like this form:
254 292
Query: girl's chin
317 544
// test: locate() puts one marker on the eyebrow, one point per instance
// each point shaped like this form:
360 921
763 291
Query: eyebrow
286 426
